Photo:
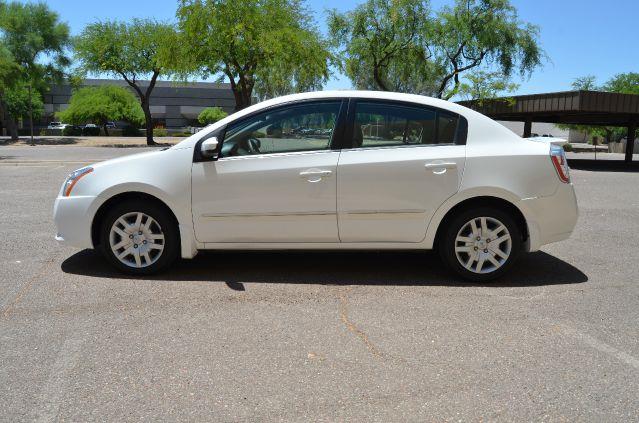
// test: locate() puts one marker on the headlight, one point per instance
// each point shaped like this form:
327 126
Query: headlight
73 178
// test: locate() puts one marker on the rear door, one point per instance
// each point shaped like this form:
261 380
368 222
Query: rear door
404 161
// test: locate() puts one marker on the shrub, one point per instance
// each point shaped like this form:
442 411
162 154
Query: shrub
567 147
160 132
72 131
91 131
211 115
131 131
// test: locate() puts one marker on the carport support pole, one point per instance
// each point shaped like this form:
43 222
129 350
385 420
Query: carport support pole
630 141
527 128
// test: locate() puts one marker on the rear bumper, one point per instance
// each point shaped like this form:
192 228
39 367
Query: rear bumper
551 219
73 217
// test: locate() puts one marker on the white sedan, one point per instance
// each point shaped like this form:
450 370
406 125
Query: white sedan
328 170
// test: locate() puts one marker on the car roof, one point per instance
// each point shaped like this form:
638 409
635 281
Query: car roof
377 95
477 118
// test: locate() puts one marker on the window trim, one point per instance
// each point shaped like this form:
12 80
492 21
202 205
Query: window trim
461 132
335 140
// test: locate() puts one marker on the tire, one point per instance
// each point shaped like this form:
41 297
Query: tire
152 236
462 252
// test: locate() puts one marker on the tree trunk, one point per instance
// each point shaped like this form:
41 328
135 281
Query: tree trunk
144 102
148 122
378 79
9 123
242 99
106 131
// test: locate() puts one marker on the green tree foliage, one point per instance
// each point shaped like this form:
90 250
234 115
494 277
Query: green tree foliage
131 51
19 103
625 83
383 45
473 33
402 45
483 85
102 104
211 115
268 47
32 53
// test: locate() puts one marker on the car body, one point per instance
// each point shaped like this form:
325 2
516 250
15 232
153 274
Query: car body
57 125
549 139
396 171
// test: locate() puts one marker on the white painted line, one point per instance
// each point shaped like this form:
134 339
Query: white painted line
601 346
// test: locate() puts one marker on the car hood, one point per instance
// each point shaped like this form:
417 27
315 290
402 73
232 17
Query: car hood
139 158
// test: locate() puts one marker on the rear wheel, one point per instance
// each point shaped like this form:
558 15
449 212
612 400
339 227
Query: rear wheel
481 244
138 237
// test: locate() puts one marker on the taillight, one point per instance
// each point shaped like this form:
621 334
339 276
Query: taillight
558 158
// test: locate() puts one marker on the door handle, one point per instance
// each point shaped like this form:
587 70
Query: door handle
440 167
315 175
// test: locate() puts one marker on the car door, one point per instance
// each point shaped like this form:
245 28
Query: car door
275 180
404 161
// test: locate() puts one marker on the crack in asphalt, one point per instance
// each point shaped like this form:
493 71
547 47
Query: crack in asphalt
343 315
27 286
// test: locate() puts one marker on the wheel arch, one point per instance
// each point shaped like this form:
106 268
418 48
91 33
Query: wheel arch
126 196
484 200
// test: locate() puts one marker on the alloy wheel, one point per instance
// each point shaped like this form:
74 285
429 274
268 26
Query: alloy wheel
483 245
136 239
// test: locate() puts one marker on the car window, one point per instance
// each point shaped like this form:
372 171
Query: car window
388 124
301 127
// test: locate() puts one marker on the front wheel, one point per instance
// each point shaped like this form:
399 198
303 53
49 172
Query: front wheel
481 244
139 238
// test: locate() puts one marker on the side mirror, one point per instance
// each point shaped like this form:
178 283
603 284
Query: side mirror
209 148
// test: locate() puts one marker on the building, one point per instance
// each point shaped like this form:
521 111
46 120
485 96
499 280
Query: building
173 104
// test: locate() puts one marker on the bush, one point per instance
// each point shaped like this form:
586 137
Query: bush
211 115
160 132
72 131
43 132
131 131
91 131
567 147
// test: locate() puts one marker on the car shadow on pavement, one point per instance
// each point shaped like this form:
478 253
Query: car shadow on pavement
398 268
603 165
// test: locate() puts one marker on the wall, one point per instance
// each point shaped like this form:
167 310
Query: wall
173 104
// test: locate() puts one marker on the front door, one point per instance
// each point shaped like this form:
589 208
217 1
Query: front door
275 180
405 160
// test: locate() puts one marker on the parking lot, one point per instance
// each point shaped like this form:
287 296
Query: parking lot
366 336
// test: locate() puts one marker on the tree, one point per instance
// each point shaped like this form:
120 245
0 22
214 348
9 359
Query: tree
20 102
34 41
401 45
271 44
483 32
482 85
211 115
9 74
102 104
384 45
625 83
139 49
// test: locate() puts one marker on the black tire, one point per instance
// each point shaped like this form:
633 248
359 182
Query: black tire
167 225
447 244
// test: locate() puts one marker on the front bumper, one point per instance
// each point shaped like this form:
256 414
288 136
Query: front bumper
73 216
553 218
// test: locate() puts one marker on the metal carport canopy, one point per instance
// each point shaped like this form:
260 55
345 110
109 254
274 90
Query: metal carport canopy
567 107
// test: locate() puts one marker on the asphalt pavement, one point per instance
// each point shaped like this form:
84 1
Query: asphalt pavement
309 336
